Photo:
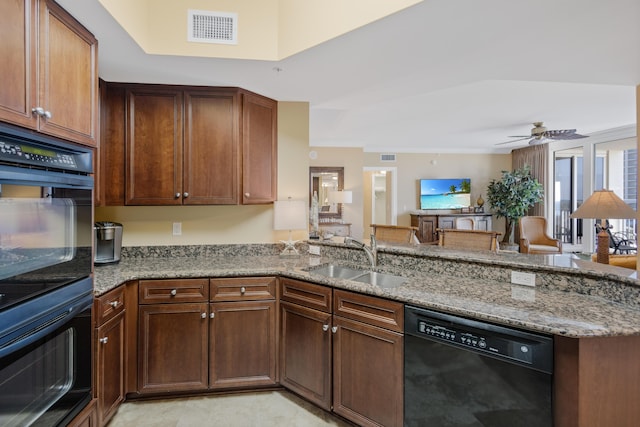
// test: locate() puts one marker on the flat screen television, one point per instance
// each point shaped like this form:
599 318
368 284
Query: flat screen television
445 193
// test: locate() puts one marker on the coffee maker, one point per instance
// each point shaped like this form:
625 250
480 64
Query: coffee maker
107 242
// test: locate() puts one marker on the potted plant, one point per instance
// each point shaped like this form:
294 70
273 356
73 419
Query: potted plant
512 196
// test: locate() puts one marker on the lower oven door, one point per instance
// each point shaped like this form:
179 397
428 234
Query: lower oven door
47 382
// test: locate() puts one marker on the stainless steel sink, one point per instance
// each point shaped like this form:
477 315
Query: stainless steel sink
380 279
363 276
337 271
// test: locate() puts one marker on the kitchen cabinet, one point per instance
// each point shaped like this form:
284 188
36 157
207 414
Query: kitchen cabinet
368 359
259 148
109 312
199 334
49 70
305 340
87 418
352 339
428 224
173 335
183 145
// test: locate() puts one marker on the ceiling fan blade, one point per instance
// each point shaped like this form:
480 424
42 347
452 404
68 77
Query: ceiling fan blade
564 134
514 140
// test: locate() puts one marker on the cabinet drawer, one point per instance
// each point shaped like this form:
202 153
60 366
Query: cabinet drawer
109 305
173 291
243 288
306 294
371 310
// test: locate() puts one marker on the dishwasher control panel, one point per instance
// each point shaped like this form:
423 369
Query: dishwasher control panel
518 346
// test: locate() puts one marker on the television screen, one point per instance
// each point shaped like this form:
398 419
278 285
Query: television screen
445 193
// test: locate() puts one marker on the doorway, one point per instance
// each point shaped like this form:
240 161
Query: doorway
380 196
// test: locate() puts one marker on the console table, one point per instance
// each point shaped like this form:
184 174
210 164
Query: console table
428 223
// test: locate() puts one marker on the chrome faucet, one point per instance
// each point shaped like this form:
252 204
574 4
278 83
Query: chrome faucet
371 252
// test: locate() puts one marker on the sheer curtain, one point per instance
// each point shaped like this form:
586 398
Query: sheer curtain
536 157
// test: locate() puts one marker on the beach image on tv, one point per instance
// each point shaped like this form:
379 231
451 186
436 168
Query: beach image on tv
445 193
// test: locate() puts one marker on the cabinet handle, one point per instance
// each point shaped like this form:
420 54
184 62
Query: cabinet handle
334 329
174 292
104 340
325 328
203 315
246 194
41 112
113 304
185 195
212 315
243 290
178 195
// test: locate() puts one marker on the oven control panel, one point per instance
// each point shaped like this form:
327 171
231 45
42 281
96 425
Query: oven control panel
36 155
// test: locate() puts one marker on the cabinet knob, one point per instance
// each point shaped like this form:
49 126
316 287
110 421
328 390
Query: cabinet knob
203 315
325 328
174 292
178 195
185 195
334 329
243 290
247 194
113 304
104 340
212 315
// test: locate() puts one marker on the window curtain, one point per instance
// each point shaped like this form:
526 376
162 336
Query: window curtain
536 157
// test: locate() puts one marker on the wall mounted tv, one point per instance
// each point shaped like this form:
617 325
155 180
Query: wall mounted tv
454 193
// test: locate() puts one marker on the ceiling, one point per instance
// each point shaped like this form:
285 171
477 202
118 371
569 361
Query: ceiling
442 76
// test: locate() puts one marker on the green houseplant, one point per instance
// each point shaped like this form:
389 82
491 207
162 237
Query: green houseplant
512 196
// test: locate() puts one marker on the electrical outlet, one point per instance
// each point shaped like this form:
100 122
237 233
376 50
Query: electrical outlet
314 250
521 278
177 228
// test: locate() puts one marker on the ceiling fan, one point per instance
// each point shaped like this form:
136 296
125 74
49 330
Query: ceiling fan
540 134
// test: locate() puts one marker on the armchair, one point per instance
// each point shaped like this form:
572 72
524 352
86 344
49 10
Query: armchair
534 238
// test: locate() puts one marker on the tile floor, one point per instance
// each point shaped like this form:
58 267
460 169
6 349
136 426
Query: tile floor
264 409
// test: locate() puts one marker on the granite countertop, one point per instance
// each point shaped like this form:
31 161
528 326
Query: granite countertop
542 309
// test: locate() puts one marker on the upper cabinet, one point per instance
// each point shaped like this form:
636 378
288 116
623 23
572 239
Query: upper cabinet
180 145
259 148
49 71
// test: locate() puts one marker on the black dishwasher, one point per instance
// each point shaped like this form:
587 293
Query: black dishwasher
465 373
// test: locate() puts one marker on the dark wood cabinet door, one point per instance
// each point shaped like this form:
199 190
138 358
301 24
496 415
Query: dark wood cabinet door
154 146
259 149
243 344
110 164
305 353
110 367
211 147
172 347
18 91
68 76
427 226
367 373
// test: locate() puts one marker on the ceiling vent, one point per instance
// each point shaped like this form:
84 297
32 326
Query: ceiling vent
212 27
387 157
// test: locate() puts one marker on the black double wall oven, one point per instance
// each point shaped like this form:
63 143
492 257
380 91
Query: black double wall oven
46 288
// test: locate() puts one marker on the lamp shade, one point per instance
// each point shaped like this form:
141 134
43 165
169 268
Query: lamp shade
604 204
340 196
289 215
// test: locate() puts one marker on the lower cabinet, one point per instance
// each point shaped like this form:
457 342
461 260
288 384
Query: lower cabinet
188 341
109 311
347 343
87 418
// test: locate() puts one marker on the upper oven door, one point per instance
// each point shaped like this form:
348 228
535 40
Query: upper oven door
46 226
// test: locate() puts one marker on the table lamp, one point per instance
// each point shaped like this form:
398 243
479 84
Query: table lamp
339 196
289 215
603 205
